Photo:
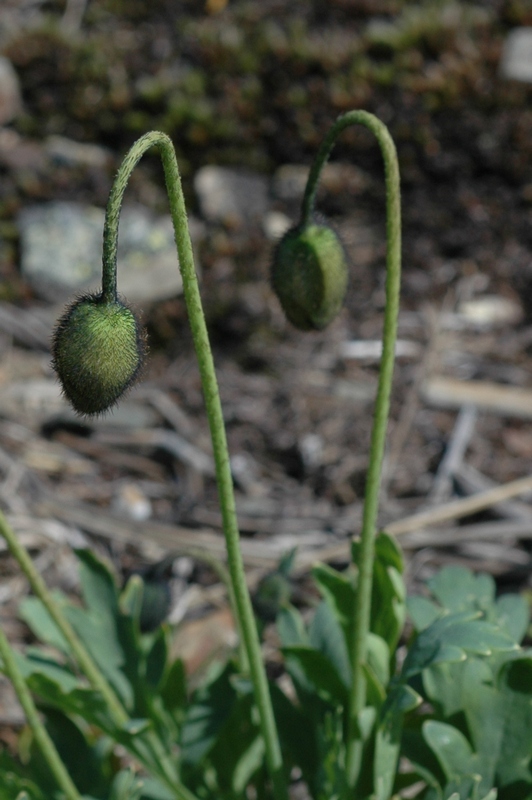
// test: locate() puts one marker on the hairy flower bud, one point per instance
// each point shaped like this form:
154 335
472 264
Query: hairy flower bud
98 350
309 275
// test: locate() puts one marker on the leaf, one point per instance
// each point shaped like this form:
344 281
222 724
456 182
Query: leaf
156 659
86 703
338 590
291 627
83 762
388 739
388 608
209 709
327 636
378 658
153 790
127 786
173 690
319 672
98 585
40 622
512 615
296 733
35 662
459 589
423 612
450 638
451 748
239 748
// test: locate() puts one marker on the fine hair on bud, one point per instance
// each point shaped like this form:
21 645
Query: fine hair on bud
309 275
98 351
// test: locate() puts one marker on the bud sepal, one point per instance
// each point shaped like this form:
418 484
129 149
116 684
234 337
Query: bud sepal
309 275
98 351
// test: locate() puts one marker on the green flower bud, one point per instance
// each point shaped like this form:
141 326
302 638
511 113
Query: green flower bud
98 349
309 275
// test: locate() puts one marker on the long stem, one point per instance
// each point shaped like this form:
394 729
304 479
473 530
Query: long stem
198 327
155 755
40 733
362 608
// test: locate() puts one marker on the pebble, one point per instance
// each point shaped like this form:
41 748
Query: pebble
231 197
516 61
71 153
130 501
61 247
10 96
275 224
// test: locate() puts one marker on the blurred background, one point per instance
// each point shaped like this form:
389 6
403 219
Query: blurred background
247 89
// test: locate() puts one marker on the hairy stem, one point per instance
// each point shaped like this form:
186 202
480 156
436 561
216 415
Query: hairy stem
243 608
362 608
40 733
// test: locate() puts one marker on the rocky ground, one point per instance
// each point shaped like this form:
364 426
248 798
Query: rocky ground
247 90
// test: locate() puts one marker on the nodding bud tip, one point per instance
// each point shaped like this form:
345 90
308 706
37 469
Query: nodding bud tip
309 275
98 350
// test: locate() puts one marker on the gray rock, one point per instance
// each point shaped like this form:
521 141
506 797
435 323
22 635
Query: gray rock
233 197
10 97
61 251
289 182
516 61
67 151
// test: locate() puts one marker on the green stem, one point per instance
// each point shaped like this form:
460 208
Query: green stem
243 608
40 733
220 569
362 608
158 759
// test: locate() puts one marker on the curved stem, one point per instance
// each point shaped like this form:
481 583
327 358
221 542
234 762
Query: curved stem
40 733
362 608
213 407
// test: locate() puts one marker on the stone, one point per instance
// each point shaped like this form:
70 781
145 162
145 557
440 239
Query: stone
71 153
61 247
231 197
10 96
516 61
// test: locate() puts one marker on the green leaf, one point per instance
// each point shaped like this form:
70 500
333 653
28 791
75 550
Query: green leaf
512 614
291 627
297 734
154 790
36 662
423 612
451 638
378 658
126 786
40 622
239 748
98 585
100 637
459 589
173 690
388 606
388 739
451 748
86 703
156 659
327 636
443 685
82 761
320 673
209 709
338 590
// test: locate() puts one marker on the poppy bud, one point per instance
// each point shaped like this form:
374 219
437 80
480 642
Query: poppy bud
98 349
309 275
